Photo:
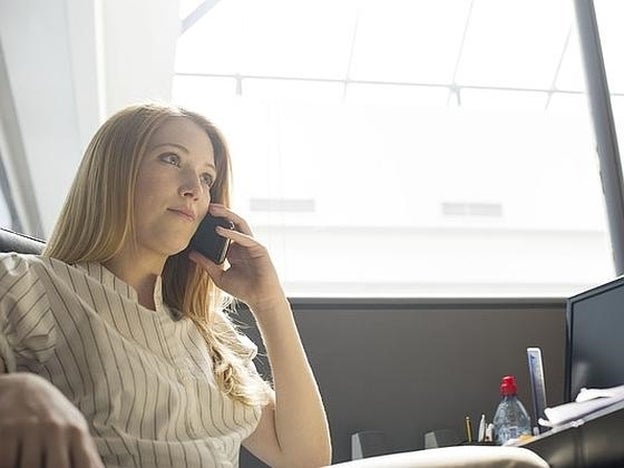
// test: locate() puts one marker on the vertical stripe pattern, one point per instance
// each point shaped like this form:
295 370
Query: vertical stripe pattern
142 379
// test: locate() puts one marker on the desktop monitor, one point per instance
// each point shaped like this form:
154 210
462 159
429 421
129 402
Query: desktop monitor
595 338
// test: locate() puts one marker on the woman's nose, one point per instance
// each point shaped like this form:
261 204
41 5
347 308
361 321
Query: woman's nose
191 186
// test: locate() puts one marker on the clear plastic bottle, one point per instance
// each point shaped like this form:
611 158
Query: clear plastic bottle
511 420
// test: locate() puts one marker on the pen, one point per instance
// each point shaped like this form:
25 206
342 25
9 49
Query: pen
468 429
481 437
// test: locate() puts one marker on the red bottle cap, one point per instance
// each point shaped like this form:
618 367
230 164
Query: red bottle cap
508 385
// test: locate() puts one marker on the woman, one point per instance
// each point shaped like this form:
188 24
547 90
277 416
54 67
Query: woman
130 326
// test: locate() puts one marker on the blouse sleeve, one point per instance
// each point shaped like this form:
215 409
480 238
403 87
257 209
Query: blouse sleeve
27 331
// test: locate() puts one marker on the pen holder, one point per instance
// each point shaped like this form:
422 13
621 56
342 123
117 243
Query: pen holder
441 438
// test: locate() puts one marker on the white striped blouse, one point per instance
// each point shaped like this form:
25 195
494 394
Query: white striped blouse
142 379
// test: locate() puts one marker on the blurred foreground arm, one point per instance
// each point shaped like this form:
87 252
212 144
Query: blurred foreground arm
39 427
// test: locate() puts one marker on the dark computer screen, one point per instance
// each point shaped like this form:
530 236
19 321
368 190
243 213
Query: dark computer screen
595 340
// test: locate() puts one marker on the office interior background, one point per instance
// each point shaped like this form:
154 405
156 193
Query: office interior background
423 172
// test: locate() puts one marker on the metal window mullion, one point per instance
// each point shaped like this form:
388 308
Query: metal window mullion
604 127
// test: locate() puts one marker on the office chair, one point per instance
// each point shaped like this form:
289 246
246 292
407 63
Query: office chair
11 241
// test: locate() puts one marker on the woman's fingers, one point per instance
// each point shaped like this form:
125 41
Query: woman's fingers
236 236
31 454
239 223
57 447
9 450
84 452
241 234
57 453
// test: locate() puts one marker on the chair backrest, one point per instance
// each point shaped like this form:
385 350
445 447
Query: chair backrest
11 241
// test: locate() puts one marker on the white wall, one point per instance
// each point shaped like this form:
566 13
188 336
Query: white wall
70 64
34 36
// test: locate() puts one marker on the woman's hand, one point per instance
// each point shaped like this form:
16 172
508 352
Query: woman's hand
251 276
39 427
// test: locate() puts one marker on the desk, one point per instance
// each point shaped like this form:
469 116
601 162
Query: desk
466 456
592 441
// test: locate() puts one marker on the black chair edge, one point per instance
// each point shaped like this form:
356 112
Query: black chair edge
11 241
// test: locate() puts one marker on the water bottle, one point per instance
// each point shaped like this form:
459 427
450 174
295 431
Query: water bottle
511 419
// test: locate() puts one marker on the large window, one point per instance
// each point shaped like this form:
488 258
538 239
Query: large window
406 147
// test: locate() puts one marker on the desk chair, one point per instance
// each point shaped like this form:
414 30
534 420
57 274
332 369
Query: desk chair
13 242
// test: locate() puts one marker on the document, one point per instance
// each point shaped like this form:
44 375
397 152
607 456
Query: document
587 402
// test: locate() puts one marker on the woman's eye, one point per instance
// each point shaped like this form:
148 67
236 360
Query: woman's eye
207 179
171 158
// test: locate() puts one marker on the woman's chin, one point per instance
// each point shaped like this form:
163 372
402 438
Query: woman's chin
172 250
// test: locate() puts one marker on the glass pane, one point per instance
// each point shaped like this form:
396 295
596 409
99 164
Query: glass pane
570 104
394 40
571 76
609 14
388 95
188 6
514 43
293 90
270 38
617 105
503 99
381 171
192 90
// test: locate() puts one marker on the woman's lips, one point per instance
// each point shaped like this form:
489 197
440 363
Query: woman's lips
183 213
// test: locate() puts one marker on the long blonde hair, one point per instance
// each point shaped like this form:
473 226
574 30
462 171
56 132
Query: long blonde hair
98 217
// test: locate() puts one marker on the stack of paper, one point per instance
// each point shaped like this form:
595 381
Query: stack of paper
587 401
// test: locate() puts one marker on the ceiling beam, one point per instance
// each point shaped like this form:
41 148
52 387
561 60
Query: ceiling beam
197 14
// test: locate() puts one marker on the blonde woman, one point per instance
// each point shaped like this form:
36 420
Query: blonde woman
115 348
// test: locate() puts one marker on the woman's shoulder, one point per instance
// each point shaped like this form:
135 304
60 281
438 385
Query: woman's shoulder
15 266
13 262
19 261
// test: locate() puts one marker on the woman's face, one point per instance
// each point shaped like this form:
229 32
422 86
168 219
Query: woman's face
173 187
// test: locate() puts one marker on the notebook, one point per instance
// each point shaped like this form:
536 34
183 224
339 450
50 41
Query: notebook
538 384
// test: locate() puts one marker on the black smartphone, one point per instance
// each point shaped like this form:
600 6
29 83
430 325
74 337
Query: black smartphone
206 240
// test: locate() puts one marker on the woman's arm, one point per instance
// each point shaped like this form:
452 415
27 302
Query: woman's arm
293 429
